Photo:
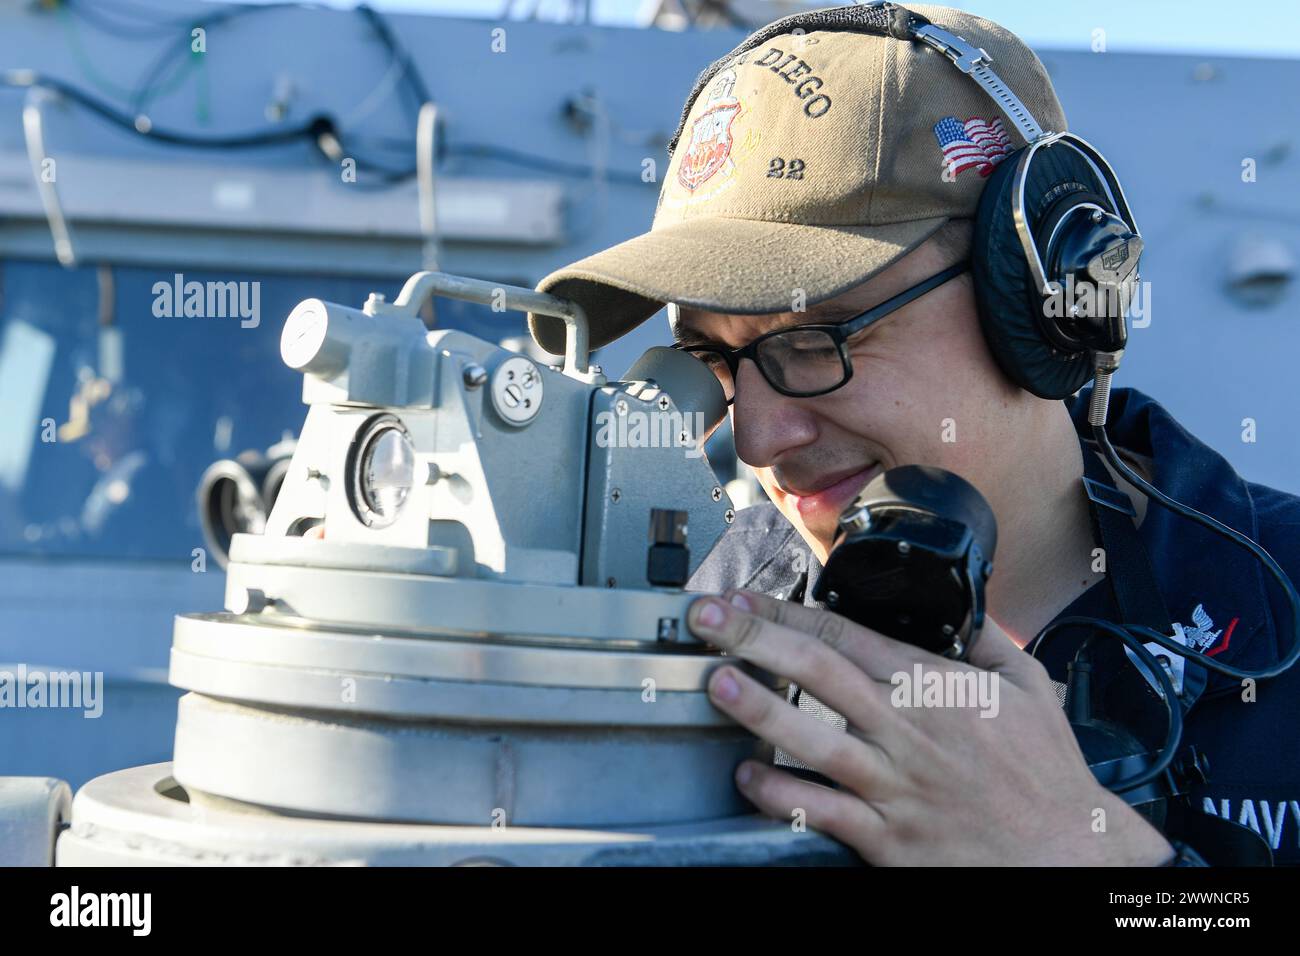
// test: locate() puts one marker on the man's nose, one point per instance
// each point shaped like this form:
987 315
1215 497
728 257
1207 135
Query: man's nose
766 423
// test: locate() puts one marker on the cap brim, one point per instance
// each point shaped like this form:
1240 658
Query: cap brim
734 266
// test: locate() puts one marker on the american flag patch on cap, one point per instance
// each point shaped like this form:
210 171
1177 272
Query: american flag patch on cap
978 143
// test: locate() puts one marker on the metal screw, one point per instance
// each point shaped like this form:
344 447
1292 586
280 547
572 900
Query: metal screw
663 403
729 515
1097 215
716 493
904 548
621 407
474 375
615 496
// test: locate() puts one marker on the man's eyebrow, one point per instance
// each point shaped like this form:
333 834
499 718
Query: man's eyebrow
684 334
829 315
691 337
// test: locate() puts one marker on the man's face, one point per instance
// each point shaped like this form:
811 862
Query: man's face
924 391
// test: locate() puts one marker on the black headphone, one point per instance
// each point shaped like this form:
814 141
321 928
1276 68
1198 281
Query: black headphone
1055 248
1055 255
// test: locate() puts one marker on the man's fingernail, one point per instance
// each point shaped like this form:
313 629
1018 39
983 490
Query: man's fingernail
742 602
744 773
711 614
725 687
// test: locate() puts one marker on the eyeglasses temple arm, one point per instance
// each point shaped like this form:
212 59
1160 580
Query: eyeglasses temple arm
874 314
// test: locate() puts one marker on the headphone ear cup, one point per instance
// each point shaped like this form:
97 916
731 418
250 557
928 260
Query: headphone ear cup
1010 305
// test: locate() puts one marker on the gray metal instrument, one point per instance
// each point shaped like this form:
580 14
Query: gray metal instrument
487 648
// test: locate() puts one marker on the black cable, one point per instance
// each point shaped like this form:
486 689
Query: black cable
165 61
309 131
182 45
320 130
1136 636
1219 528
397 53
267 137
1174 730
316 131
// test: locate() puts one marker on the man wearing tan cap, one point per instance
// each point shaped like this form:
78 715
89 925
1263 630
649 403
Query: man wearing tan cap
820 171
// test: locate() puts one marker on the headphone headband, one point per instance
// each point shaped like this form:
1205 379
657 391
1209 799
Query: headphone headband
975 61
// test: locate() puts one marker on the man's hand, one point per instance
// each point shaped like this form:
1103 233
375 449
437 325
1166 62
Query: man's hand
918 785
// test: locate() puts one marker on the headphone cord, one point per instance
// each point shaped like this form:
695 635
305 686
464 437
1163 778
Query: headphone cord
1134 635
1219 528
1174 726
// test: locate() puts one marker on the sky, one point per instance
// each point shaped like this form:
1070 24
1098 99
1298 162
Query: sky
1271 29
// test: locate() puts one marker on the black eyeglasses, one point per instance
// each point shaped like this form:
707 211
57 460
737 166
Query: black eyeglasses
806 360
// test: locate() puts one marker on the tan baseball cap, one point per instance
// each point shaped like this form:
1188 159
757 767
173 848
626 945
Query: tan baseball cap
806 163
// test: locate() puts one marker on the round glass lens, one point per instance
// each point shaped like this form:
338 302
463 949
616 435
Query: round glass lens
802 360
387 474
